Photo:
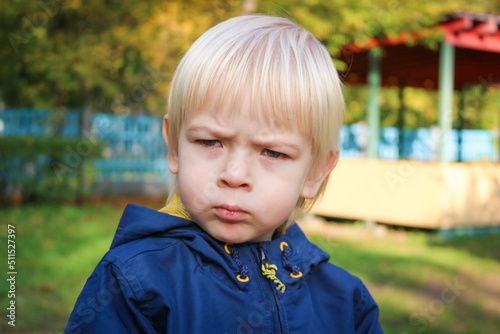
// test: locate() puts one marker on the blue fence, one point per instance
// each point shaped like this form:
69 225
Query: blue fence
135 149
422 144
39 122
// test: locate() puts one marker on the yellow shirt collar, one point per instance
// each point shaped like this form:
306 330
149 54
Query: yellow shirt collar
176 208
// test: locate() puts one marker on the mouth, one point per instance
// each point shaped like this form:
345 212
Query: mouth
230 213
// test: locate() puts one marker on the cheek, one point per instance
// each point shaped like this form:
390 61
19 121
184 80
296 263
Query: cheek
269 166
197 187
288 178
279 211
280 198
284 190
197 170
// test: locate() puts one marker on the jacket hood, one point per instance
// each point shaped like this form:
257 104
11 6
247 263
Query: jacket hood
139 222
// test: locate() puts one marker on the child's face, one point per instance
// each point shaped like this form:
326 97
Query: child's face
240 178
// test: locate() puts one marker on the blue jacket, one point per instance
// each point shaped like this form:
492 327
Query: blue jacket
163 274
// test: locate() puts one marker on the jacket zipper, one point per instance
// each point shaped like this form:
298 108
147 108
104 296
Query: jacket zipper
264 260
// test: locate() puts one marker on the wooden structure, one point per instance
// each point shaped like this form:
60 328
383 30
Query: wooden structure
433 195
468 55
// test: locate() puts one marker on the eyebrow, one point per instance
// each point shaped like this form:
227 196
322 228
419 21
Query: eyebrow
277 143
218 131
226 133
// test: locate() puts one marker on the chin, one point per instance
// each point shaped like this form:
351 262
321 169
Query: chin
230 239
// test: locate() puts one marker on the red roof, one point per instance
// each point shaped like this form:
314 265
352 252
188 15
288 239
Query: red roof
476 38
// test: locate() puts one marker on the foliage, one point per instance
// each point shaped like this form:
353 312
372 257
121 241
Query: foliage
481 107
46 169
340 22
115 55
119 56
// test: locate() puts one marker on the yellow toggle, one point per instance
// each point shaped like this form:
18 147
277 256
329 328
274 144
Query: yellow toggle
269 272
283 244
242 279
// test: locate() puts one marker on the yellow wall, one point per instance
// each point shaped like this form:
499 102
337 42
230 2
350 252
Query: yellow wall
411 193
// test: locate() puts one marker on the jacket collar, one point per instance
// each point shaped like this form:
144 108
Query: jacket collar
139 222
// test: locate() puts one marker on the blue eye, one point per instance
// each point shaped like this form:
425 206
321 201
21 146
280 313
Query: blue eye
273 154
210 143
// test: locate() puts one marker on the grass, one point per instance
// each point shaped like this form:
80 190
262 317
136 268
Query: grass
421 286
57 248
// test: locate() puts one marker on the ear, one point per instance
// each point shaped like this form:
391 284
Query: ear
315 180
173 158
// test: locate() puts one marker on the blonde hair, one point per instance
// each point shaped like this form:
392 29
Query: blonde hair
290 74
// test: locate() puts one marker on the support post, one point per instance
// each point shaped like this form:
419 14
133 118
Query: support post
446 85
373 117
401 121
373 103
460 122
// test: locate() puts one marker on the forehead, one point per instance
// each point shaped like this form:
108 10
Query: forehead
230 108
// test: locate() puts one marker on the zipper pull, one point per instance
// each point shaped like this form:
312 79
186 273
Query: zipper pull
269 270
263 256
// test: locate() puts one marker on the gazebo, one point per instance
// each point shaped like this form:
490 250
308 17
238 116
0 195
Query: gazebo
469 55
441 195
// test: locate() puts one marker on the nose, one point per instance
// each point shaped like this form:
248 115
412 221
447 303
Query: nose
236 172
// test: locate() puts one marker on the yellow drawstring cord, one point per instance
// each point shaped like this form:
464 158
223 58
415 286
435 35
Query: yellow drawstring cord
269 272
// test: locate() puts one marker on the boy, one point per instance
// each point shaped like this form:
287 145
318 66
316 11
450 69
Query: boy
253 123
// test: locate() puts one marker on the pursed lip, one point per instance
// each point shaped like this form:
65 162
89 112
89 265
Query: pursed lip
230 213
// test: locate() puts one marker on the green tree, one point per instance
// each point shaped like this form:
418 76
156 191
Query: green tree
119 56
112 55
340 22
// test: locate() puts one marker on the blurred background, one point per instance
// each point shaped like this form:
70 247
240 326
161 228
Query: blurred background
412 208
